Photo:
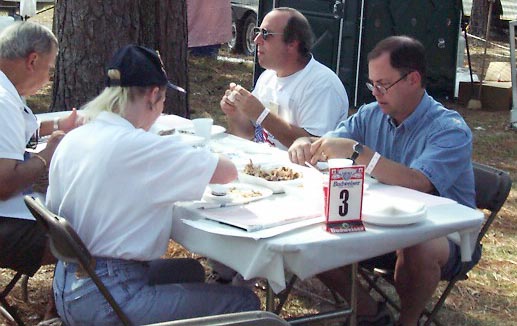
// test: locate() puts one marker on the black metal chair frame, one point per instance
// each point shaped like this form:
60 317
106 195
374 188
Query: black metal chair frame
492 188
67 246
8 311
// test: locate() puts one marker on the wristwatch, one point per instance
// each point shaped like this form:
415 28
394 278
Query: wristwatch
358 149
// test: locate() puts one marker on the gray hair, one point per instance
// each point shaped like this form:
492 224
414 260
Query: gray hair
20 39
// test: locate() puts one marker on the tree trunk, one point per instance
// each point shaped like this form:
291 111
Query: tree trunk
479 15
90 31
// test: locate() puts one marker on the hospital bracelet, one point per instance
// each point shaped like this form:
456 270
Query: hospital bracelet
373 163
56 124
41 159
262 116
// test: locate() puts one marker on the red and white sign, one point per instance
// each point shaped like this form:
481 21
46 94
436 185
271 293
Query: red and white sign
344 198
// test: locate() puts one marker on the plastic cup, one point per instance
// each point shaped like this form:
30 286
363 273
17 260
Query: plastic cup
339 162
203 127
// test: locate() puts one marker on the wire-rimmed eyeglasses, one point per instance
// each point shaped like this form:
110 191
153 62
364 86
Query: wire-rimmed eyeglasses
264 32
382 89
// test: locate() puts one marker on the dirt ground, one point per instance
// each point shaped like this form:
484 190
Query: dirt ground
488 297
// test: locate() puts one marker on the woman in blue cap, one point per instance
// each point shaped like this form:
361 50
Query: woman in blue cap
116 183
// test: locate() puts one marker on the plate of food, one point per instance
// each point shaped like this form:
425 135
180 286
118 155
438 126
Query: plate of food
191 140
274 176
216 130
235 193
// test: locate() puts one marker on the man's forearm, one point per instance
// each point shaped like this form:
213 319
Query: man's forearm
241 126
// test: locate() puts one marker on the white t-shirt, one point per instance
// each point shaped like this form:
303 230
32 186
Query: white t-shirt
17 125
313 98
117 185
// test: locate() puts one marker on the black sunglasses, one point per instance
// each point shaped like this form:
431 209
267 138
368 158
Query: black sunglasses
264 32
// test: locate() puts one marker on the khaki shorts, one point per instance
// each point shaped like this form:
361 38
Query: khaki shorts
448 272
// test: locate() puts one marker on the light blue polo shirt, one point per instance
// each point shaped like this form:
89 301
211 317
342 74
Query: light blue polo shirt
433 140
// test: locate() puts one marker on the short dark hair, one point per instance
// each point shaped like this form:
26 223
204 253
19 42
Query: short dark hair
406 54
298 29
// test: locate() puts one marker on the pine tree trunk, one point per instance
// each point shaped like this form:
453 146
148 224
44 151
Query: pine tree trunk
90 31
479 16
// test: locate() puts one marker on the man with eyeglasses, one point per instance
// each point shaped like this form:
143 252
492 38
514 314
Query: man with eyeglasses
296 96
27 55
405 138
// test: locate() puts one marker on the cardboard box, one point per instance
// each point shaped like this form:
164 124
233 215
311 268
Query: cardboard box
495 96
499 72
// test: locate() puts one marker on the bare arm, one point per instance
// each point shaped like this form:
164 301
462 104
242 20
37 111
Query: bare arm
15 176
386 171
246 103
225 171
238 123
65 124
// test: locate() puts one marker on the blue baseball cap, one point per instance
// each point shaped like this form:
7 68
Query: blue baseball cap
136 65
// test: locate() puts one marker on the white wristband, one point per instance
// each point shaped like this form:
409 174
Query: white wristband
262 116
56 124
373 163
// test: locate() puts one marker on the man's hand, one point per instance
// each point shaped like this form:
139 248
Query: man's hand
227 102
300 150
325 148
72 121
52 143
246 102
238 123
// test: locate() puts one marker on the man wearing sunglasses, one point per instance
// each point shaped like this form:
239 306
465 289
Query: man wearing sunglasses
405 138
296 96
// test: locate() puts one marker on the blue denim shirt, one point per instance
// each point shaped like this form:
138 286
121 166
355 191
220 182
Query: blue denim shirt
433 140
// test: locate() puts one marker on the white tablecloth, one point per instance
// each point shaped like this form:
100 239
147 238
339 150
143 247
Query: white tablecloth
310 250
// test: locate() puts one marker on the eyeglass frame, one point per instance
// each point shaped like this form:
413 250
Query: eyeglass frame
264 32
383 90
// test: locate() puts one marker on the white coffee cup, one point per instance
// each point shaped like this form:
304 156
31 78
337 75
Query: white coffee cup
203 127
339 162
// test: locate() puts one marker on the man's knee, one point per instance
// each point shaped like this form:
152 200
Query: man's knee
427 255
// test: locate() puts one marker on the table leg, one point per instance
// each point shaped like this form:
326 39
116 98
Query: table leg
466 251
353 295
270 298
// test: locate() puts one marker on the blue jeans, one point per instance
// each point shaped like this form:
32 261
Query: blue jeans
79 302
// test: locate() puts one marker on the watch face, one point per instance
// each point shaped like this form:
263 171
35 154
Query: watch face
358 148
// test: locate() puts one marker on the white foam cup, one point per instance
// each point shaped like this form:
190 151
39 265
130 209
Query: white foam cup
203 127
339 162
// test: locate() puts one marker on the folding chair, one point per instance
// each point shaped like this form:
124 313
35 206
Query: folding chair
492 188
248 318
8 311
66 245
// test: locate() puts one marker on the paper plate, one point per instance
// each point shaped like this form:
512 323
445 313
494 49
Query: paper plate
216 130
191 140
395 212
236 192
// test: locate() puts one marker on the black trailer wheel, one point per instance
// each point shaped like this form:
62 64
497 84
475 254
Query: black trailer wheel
248 46
235 44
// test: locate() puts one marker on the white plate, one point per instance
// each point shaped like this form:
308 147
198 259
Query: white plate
216 130
397 212
237 193
276 186
191 140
